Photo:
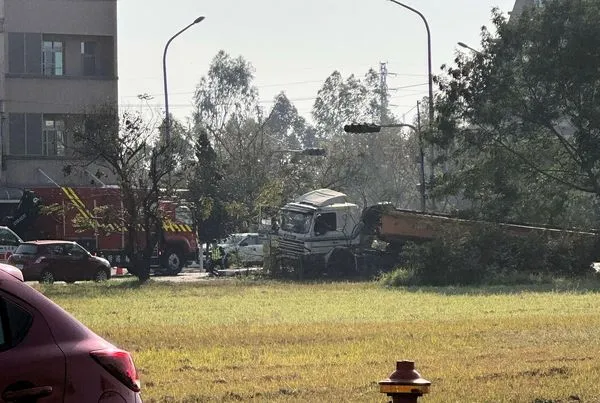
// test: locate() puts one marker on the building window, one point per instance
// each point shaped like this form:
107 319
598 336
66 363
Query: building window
53 137
88 58
52 58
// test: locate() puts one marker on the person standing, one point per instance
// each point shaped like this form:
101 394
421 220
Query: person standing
216 258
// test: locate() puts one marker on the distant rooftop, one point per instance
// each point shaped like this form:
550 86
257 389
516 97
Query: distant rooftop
521 5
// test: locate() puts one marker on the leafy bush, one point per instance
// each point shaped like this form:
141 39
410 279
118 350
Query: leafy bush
491 255
399 277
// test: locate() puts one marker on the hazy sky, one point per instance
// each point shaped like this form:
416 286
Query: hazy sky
293 45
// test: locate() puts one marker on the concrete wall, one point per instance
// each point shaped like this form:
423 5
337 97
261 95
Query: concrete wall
26 172
85 17
58 95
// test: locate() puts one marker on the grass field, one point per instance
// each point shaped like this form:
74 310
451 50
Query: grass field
232 340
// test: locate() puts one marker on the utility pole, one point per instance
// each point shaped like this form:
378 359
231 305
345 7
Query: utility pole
421 159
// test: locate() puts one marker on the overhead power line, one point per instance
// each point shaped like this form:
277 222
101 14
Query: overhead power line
407 86
407 75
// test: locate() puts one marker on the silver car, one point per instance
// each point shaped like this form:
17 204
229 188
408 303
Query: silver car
244 249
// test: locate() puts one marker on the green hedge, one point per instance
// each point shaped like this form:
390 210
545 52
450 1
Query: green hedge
490 255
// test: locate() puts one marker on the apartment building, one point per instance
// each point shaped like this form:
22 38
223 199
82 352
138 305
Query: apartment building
59 59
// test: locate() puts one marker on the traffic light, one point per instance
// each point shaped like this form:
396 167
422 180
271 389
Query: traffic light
316 152
362 128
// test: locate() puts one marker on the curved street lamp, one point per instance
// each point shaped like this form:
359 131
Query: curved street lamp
167 117
430 74
464 45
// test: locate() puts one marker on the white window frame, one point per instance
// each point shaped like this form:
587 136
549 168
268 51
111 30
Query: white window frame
53 137
53 58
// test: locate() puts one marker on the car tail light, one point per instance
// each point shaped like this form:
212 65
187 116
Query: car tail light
119 364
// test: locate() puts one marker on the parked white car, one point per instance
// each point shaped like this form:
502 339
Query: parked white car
9 242
243 249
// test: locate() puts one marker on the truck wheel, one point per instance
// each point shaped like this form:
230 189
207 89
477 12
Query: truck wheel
173 262
46 277
341 263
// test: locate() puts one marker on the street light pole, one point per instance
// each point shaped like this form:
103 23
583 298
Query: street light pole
167 117
464 45
430 75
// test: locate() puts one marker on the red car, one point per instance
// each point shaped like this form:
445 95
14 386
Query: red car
49 261
46 355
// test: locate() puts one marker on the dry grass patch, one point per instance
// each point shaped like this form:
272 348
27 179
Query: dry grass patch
226 341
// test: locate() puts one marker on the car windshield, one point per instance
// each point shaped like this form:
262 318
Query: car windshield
294 221
26 249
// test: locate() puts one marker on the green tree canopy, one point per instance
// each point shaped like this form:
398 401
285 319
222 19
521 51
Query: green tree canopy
520 120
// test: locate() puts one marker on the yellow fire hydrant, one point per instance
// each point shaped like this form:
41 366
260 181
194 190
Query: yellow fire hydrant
405 384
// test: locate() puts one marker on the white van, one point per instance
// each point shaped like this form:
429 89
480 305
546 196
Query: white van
9 242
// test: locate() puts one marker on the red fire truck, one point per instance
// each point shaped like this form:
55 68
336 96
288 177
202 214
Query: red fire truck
179 244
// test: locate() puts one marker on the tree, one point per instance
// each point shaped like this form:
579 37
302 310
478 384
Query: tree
247 142
129 149
227 109
289 173
368 167
225 100
523 114
286 126
182 146
205 190
342 101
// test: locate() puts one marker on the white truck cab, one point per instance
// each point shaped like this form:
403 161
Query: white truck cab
321 226
322 213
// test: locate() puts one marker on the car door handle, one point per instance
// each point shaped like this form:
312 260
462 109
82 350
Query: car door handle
29 393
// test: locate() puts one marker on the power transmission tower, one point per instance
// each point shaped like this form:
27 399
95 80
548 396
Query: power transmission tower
383 73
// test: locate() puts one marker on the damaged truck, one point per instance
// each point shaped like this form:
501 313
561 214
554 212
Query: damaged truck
323 234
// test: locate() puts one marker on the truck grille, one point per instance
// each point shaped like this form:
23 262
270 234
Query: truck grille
290 247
